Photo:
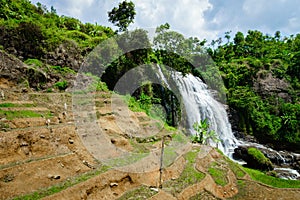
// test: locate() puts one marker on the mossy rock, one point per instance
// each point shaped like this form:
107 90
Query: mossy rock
257 160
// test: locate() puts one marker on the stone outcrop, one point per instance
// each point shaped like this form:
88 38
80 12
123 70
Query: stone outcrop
242 152
66 55
267 85
12 68
280 159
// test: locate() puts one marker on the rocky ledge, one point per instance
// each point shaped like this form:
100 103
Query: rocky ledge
286 164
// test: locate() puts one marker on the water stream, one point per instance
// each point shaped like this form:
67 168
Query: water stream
199 104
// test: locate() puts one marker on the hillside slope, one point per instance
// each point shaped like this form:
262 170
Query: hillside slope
48 159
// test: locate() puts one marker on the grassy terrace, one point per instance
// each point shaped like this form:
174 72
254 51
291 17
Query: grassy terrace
62 186
218 174
140 193
9 114
188 177
14 105
272 181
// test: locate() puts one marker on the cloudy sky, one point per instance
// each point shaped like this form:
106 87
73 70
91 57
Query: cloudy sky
208 19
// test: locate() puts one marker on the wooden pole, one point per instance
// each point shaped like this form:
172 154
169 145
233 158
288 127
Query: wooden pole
161 161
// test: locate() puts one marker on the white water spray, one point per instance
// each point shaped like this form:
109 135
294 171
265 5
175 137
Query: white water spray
199 104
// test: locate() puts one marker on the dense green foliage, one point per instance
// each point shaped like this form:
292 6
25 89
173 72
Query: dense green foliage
203 134
32 31
261 74
123 15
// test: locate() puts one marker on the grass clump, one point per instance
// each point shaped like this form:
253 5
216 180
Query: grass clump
33 62
236 168
140 193
218 174
272 181
61 85
23 114
12 105
63 70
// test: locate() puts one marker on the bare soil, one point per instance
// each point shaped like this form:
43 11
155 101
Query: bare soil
37 153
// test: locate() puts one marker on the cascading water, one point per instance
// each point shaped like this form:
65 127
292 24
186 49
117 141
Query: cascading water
199 104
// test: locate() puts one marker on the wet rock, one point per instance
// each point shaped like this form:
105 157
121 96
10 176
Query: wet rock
281 159
253 160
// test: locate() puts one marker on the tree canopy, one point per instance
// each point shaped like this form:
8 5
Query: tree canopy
123 15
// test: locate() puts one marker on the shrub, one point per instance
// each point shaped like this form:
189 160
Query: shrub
61 85
34 62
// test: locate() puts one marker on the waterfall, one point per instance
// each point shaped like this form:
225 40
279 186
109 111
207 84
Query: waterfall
199 104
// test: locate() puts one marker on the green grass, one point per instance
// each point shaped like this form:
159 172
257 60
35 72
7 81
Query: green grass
34 62
62 186
218 174
169 155
242 190
63 70
188 177
126 160
13 105
23 114
139 147
272 181
236 168
140 193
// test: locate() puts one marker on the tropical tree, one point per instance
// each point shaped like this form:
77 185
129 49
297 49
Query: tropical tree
203 134
123 15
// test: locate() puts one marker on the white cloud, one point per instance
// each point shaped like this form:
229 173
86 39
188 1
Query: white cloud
185 16
202 18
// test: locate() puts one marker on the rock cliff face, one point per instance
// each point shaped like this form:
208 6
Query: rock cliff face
12 68
268 85
15 71
66 55
39 78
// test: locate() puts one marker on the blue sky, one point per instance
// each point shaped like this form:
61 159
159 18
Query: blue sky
208 19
